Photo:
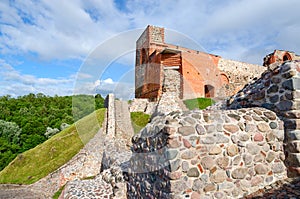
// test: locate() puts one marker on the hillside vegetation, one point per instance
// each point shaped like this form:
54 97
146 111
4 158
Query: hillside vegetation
139 120
45 158
29 120
198 103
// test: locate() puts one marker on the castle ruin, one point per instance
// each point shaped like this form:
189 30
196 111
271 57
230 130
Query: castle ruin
202 74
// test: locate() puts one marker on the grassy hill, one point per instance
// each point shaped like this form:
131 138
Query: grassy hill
139 120
45 158
198 103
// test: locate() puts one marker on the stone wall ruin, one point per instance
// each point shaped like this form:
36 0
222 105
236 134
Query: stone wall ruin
229 153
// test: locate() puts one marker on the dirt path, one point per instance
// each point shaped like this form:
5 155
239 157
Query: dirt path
18 192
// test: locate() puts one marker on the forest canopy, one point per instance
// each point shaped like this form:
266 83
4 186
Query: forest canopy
29 120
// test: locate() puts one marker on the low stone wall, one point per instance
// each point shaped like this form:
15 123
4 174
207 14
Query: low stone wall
109 182
142 105
111 120
170 99
279 91
207 154
238 74
83 165
147 176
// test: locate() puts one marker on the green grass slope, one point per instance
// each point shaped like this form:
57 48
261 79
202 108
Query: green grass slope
198 103
45 158
139 120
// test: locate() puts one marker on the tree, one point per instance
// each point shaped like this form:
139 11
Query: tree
10 131
24 120
50 132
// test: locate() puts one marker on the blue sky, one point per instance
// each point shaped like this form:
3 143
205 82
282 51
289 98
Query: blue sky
48 46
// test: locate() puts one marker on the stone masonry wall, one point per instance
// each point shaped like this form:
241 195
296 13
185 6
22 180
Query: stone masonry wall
170 98
111 121
207 154
109 181
279 91
148 173
142 105
238 74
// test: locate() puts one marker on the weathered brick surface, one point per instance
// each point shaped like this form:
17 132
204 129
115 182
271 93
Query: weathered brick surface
202 74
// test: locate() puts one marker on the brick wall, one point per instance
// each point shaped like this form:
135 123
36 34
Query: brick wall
199 70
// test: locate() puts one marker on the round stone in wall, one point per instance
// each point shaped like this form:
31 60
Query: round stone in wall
231 128
188 154
252 148
247 158
232 150
207 162
193 172
186 130
273 125
278 167
218 177
239 173
270 115
263 127
223 162
197 185
185 166
261 169
258 137
215 150
200 129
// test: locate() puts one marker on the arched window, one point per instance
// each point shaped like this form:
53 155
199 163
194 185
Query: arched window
286 57
209 91
224 79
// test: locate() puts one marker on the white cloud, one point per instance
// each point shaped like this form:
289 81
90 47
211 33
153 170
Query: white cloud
58 28
108 81
74 28
14 83
81 75
121 89
244 30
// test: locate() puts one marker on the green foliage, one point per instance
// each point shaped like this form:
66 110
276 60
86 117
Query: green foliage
86 104
198 103
10 131
139 120
45 158
9 139
57 194
50 132
31 115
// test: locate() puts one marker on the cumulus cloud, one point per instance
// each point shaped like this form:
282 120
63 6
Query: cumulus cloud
14 83
74 28
58 29
232 29
243 30
122 89
108 81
